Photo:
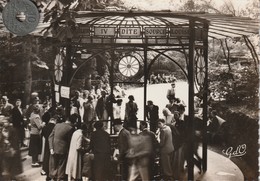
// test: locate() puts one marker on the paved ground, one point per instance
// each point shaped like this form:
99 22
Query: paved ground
220 168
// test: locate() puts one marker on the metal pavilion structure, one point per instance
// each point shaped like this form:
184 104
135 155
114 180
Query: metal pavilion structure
138 33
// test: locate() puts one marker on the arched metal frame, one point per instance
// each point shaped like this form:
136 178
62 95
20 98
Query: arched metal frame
195 38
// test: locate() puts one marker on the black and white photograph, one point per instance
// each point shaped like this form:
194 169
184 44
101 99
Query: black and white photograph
129 90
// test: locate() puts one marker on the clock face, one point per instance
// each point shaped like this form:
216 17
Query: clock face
129 66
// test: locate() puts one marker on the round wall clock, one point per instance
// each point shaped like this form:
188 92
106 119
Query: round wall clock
129 66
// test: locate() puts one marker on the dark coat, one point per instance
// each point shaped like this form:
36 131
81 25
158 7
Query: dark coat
59 139
153 116
100 142
46 131
18 123
100 107
130 114
17 118
182 127
100 146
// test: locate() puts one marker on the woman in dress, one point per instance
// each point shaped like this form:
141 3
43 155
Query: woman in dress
89 113
35 145
131 109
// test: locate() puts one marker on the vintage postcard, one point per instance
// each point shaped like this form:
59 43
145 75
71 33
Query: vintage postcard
129 90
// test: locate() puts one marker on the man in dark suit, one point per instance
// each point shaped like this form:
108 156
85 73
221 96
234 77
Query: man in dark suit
123 146
101 107
152 115
182 124
46 131
59 142
18 122
101 148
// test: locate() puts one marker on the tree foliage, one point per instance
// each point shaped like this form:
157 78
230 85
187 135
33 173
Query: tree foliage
248 9
238 81
62 13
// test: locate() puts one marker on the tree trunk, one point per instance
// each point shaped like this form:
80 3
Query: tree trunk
27 48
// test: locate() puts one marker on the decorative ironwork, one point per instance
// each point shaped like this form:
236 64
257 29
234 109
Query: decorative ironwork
200 69
129 66
58 66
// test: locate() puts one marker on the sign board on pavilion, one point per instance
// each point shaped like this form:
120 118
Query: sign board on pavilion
135 35
104 31
129 31
180 31
156 32
65 92
83 31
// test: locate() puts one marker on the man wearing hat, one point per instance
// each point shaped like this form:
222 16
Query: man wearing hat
123 146
7 107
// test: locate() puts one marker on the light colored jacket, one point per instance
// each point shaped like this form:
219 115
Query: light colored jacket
36 124
166 140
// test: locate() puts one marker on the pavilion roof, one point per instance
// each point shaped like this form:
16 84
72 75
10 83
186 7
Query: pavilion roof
220 26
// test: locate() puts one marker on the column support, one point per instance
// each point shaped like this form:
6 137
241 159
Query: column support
145 80
205 102
190 146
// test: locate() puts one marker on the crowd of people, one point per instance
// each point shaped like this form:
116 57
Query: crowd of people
161 78
78 146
